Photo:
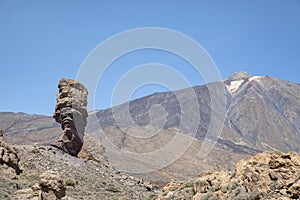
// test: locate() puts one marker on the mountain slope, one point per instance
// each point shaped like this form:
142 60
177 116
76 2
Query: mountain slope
265 112
22 128
262 113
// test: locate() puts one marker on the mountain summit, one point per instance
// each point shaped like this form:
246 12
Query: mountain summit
238 75
262 113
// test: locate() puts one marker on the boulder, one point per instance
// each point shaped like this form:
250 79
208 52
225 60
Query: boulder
8 155
9 169
50 186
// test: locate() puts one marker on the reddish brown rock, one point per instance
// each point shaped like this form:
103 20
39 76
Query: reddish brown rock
71 113
9 169
49 187
8 155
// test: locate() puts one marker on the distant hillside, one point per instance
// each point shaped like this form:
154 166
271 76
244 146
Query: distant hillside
22 128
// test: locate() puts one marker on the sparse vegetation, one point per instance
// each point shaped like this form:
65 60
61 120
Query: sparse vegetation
35 150
188 184
29 179
262 164
112 188
70 182
151 197
224 189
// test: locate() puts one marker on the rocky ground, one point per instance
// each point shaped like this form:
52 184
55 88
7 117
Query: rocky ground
271 175
44 172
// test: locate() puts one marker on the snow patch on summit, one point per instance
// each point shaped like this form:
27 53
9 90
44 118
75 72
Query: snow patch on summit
257 78
234 85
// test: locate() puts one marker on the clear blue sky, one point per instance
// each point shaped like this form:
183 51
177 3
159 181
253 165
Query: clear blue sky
42 41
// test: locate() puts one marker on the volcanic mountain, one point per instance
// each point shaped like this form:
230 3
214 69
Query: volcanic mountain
161 136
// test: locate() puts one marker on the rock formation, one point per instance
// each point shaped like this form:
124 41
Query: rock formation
8 155
9 169
71 113
264 176
50 186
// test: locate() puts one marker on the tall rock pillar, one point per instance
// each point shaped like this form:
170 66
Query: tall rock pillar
71 113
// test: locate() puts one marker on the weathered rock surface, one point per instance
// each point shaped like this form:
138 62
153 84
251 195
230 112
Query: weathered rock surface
9 168
71 113
8 155
264 176
50 186
93 150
